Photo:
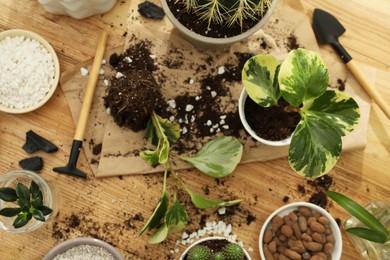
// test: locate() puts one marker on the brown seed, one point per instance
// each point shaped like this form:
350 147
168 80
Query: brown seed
328 247
267 236
323 220
317 237
306 256
305 211
292 254
311 220
272 246
287 231
317 227
296 245
321 255
283 257
302 223
267 253
282 238
328 231
281 249
276 223
317 215
330 239
296 230
286 220
313 246
306 237
293 217
316 257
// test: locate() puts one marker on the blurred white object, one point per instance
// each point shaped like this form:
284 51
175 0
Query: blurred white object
77 8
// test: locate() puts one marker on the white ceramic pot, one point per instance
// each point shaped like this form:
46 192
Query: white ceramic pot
285 210
77 8
68 244
210 42
241 112
50 199
207 239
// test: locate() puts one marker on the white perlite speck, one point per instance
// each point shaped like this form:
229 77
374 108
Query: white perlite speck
84 72
85 252
26 72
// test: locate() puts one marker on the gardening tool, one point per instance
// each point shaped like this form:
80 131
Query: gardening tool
327 29
70 168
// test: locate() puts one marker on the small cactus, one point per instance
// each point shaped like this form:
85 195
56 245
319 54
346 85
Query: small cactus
218 256
233 252
227 12
200 252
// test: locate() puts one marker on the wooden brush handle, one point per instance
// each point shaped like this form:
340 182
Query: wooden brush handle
90 90
368 87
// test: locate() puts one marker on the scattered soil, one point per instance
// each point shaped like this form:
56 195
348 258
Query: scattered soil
271 123
320 185
341 84
193 22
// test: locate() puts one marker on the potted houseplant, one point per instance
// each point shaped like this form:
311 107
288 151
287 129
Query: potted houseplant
217 158
218 248
26 201
298 87
308 230
217 23
368 227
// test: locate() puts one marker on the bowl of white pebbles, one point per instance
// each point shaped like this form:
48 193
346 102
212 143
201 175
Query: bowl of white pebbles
29 71
83 248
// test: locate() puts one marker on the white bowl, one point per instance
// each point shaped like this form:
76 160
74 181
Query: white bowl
206 239
285 210
241 112
68 244
38 38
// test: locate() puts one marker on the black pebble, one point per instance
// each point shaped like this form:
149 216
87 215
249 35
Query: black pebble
33 164
114 60
150 10
35 142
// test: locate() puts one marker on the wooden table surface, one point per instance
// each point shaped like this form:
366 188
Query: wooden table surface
114 209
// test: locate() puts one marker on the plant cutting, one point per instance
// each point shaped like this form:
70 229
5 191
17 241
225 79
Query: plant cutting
218 22
29 202
218 158
218 248
301 81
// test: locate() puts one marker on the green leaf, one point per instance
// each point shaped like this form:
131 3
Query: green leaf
171 130
34 190
10 212
20 221
22 191
218 158
151 134
38 215
316 143
150 157
160 210
204 203
24 204
258 77
303 76
176 218
164 151
358 212
38 201
368 234
8 194
45 210
159 235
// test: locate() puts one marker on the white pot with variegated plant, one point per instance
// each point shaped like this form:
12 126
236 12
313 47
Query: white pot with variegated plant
325 115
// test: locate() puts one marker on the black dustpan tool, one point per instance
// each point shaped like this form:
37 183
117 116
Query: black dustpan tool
71 168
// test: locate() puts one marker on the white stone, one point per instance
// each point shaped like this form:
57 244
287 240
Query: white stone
84 71
222 117
222 211
108 110
172 103
221 70
191 81
189 107
101 72
152 56
198 98
222 122
213 93
119 75
225 126
209 123
184 130
106 82
127 59
171 118
104 61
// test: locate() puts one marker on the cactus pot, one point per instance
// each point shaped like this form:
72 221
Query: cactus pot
205 42
206 240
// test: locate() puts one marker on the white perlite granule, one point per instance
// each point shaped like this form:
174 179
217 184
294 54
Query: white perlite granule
85 252
26 72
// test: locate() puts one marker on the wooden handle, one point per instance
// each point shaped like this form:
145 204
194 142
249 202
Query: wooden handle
368 87
90 90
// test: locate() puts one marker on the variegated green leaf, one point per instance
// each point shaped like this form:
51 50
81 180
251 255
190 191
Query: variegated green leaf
159 212
176 218
258 77
316 143
171 130
315 147
218 158
159 235
337 107
303 76
204 203
150 156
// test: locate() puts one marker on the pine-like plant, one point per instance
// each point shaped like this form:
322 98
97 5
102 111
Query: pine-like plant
227 12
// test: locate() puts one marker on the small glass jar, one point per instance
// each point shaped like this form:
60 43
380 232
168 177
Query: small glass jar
77 8
369 249
49 199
